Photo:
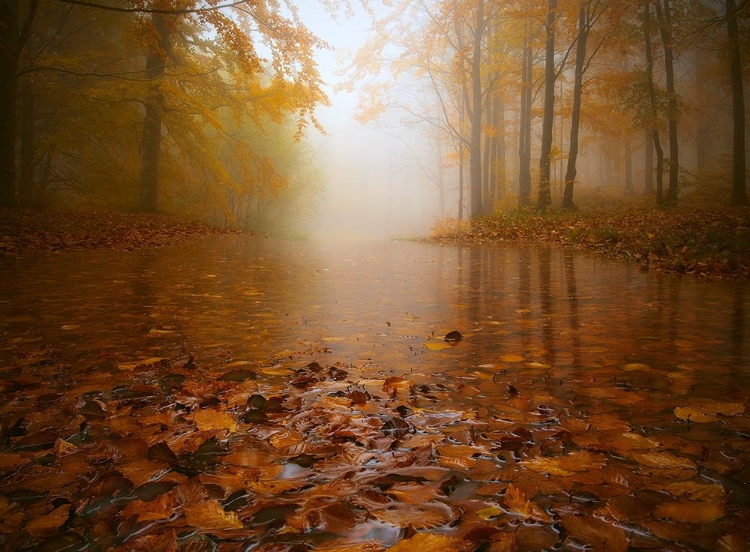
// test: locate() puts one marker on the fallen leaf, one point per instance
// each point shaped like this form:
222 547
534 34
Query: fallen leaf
210 419
431 542
516 504
595 532
690 511
210 516
49 524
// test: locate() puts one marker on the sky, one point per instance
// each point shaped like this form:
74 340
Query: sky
368 194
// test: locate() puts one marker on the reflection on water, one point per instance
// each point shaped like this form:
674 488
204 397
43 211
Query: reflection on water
603 346
375 305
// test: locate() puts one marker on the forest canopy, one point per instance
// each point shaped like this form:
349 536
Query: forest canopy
194 106
524 100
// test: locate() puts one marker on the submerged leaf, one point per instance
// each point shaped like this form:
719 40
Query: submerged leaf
431 542
596 532
516 503
708 412
49 524
210 419
209 516
691 511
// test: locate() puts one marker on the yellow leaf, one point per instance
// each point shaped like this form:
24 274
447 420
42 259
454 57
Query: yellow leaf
437 345
489 513
210 516
153 332
209 419
71 326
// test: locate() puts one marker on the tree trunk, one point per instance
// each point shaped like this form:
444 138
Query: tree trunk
26 189
488 185
544 199
575 119
12 40
9 52
475 155
648 177
524 131
629 188
739 189
652 100
665 26
151 137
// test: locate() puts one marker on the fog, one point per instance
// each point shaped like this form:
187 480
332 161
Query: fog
374 186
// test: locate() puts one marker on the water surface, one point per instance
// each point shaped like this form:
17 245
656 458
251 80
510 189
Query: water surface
553 342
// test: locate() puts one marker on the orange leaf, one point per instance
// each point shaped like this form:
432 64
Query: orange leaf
209 419
210 516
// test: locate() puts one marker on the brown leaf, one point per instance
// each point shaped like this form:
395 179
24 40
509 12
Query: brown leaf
424 516
49 524
596 532
165 541
691 511
431 542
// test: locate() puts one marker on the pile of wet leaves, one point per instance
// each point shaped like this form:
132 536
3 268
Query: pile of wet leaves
708 243
164 454
37 230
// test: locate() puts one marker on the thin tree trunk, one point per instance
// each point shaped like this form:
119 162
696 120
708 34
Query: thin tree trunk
575 119
665 26
488 185
524 133
475 153
648 188
739 187
26 188
629 189
544 199
652 100
501 149
151 137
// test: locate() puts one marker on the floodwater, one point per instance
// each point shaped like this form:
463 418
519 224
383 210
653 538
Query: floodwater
613 399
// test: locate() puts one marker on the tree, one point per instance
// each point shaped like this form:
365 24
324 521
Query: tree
739 189
545 199
663 14
13 37
653 102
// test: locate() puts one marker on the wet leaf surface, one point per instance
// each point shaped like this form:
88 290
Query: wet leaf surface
568 416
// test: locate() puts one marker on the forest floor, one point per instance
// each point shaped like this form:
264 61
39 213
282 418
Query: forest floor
708 243
705 242
32 230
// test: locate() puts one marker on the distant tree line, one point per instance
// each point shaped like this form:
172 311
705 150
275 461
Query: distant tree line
513 89
196 106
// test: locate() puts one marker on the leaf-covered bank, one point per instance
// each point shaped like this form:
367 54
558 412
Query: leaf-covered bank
27 230
707 243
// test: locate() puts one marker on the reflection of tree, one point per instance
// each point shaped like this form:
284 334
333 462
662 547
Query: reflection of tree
738 326
545 298
524 291
572 295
